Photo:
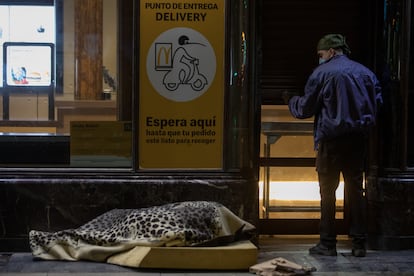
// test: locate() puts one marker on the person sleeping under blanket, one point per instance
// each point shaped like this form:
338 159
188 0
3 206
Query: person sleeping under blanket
181 224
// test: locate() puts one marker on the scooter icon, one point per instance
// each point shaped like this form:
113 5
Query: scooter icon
184 72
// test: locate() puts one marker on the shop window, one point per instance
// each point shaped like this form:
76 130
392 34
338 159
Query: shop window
288 181
96 65
65 112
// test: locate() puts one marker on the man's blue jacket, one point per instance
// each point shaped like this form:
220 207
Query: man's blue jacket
342 94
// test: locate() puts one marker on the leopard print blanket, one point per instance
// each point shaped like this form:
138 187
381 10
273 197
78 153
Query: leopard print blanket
193 223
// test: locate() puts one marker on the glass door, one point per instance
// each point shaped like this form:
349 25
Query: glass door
288 185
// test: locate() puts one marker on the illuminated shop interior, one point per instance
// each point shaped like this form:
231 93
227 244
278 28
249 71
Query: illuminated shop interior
30 105
293 191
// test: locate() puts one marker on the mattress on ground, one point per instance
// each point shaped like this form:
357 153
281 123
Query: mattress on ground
235 256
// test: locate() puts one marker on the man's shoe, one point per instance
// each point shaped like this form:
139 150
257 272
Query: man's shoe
359 252
320 249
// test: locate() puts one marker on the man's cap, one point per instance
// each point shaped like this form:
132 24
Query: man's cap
333 41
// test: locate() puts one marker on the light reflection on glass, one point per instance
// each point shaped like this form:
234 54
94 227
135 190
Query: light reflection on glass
297 190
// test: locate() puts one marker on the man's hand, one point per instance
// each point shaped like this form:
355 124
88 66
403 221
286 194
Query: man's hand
286 96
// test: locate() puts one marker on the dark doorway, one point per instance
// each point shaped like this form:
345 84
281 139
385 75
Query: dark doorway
290 30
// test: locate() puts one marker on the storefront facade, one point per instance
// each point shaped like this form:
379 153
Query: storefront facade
153 103
144 103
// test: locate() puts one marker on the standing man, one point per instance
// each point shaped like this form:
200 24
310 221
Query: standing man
342 96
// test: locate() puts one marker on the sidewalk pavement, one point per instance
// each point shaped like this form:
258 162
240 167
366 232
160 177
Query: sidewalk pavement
292 248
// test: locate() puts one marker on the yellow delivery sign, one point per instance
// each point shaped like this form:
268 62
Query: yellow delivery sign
181 84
